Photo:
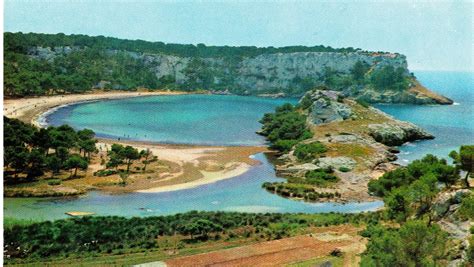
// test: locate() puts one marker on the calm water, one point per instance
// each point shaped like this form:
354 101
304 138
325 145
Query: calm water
185 119
452 126
242 193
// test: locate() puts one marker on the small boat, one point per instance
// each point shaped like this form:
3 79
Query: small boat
79 213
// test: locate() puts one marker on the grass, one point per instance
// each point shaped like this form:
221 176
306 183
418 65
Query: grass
9 222
335 261
351 150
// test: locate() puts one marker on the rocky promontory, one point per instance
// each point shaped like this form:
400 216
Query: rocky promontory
359 143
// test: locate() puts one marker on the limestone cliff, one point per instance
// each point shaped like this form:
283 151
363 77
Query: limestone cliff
290 74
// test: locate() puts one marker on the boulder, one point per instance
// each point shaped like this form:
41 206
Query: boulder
397 133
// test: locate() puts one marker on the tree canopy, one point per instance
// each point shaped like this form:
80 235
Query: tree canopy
30 151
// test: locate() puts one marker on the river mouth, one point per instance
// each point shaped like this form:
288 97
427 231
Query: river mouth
242 193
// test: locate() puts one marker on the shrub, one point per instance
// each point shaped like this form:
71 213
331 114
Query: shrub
363 103
284 145
344 169
309 151
320 177
54 182
102 173
285 127
466 211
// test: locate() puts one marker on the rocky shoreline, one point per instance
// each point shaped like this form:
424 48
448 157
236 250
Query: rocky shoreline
361 144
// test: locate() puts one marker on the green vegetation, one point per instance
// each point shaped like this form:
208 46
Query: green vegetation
359 70
466 210
362 103
470 251
413 244
306 188
298 189
389 78
335 261
320 177
464 160
125 155
10 222
409 193
344 169
427 168
30 152
285 127
98 236
308 152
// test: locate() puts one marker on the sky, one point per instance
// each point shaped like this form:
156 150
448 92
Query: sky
434 35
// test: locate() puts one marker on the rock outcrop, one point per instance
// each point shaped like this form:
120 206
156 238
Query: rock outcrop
325 107
445 208
397 133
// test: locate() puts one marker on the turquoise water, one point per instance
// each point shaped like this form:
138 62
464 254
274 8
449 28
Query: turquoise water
452 125
242 193
185 119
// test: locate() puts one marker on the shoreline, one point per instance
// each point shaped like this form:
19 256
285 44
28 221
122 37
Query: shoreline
197 163
29 109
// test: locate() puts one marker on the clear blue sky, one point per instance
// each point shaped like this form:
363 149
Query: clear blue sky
434 35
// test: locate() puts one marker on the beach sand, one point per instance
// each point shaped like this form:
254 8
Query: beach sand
186 166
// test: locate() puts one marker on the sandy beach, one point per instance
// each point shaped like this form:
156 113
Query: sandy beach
29 109
187 166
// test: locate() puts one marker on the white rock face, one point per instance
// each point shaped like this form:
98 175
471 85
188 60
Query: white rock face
263 72
278 70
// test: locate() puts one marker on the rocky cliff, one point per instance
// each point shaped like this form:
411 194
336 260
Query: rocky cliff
275 73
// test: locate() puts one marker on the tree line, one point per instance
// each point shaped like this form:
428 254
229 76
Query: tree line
20 42
30 152
84 236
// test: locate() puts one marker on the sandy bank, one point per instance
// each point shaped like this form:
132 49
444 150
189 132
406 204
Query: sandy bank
208 177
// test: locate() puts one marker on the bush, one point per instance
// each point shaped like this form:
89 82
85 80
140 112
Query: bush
54 182
320 177
309 151
285 127
363 103
344 169
466 211
284 145
102 173
336 252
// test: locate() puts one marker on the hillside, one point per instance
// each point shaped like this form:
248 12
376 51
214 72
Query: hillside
38 64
